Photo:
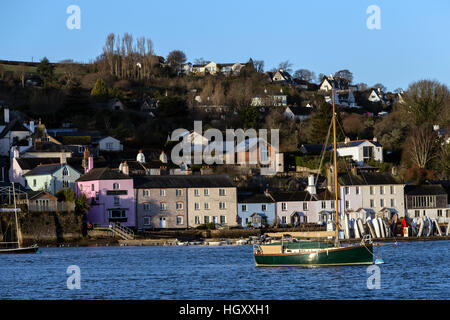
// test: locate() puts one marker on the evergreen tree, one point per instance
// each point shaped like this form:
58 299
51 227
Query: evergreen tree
45 71
320 122
99 90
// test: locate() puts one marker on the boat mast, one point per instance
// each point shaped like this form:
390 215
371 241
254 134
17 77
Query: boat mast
336 236
15 214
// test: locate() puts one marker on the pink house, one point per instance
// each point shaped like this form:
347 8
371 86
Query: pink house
111 196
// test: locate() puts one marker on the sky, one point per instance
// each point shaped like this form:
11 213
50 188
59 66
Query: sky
323 36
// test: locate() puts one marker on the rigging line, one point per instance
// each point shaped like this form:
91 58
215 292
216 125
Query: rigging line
323 151
345 162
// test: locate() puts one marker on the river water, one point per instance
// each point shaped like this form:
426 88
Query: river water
413 270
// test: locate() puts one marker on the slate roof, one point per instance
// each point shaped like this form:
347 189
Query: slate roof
31 163
183 181
367 178
293 196
14 125
103 174
300 111
426 189
312 149
43 169
256 198
355 143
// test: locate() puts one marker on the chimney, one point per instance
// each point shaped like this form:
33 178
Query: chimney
16 152
394 171
62 158
6 115
347 139
354 171
163 157
125 168
88 163
140 157
311 188
374 139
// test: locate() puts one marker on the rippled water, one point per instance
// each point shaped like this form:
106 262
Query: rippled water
413 270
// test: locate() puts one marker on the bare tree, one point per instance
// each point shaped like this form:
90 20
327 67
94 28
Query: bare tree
20 72
423 146
259 65
286 66
344 74
304 74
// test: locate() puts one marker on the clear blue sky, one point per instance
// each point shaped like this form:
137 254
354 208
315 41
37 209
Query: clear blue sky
323 36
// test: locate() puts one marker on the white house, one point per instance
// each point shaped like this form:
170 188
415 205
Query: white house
361 150
375 96
109 144
11 132
297 113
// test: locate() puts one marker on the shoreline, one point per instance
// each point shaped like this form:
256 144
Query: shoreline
114 242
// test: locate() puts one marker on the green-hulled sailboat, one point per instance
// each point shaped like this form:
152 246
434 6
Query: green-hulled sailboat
316 253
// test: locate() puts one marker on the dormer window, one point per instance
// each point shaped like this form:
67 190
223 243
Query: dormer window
65 172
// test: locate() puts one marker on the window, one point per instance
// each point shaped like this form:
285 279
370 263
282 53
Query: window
147 221
381 202
34 182
179 192
439 213
109 145
324 204
97 196
65 172
263 207
305 206
346 189
206 192
214 219
357 190
65 184
197 219
244 207
371 203
163 206
118 214
392 203
146 206
162 193
222 192
392 189
179 220
206 205
145 193
347 204
196 206
332 204
196 193
222 206
381 190
416 213
92 187
46 185
116 201
206 219
447 213
81 187
371 190
283 220
116 186
223 219
283 206
179 206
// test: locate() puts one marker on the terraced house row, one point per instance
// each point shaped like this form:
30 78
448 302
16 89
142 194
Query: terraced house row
188 201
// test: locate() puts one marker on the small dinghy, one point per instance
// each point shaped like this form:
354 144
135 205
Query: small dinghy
376 227
430 227
382 229
371 228
447 233
438 227
356 229
346 227
421 226
360 226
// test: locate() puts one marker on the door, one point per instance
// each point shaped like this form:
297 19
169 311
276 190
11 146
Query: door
162 222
